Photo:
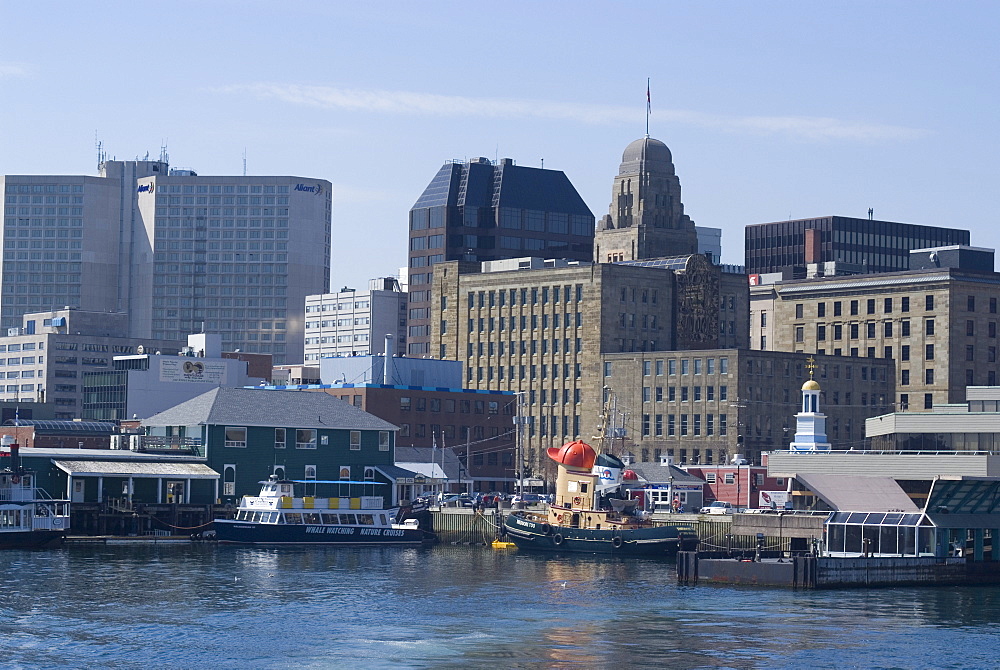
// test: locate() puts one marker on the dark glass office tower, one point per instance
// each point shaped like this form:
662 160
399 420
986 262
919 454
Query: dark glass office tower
862 245
482 211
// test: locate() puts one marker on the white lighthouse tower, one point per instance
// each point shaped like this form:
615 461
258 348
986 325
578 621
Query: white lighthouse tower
810 423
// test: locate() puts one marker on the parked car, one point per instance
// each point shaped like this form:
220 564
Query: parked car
719 507
461 500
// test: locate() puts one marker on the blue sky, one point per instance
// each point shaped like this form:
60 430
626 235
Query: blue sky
771 109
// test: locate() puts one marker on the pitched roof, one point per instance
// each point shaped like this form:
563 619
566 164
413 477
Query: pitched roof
267 407
661 474
132 469
859 494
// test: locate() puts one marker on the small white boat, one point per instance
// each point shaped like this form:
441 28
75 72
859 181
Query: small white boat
276 516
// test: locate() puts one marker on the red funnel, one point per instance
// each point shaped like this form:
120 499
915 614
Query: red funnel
576 454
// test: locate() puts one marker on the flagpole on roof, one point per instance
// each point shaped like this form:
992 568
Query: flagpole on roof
648 106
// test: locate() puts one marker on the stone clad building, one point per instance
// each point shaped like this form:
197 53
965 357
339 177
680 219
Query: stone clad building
707 406
938 322
646 217
545 332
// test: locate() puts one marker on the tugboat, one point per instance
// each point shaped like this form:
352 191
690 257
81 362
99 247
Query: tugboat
29 517
276 516
590 515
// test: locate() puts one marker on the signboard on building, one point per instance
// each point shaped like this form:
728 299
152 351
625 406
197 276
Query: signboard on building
185 369
776 499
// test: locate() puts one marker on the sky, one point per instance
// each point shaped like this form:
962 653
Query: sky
772 110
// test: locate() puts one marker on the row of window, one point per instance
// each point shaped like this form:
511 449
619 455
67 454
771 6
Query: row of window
449 431
524 347
533 296
43 188
449 405
887 306
217 188
334 306
305 438
653 425
684 365
655 394
568 320
523 372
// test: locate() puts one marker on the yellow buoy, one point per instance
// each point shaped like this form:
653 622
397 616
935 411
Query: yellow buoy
497 544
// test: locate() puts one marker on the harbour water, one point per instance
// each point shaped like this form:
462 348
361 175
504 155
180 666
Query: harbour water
203 605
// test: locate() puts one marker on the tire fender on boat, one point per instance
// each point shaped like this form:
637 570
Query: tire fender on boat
546 529
557 539
616 541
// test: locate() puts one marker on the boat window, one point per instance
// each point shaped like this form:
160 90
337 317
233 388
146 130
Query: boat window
255 517
311 517
381 519
366 520
293 517
329 518
347 519
278 518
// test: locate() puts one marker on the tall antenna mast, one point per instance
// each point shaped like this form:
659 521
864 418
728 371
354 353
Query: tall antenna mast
244 161
100 150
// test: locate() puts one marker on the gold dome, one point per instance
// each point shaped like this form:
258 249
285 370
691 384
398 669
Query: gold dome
811 385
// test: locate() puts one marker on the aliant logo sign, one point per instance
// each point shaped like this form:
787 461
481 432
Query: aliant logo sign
317 189
145 188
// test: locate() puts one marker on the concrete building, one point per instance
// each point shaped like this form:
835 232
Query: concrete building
67 239
938 322
47 357
141 385
230 255
863 245
356 323
174 251
479 211
962 428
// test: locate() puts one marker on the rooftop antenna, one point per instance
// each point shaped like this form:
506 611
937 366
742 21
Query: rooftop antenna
164 157
244 161
871 213
543 163
99 145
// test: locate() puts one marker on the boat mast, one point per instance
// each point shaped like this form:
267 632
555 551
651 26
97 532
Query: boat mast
519 444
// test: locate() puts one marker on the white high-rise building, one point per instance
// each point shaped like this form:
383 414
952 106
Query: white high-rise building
355 323
178 252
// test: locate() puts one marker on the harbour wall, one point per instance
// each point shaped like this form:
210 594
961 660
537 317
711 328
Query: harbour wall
827 572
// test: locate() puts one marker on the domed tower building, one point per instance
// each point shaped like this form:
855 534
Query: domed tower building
646 218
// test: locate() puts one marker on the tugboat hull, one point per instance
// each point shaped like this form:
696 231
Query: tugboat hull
648 541
244 532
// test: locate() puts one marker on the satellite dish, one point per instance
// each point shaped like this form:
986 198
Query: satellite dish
140 349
